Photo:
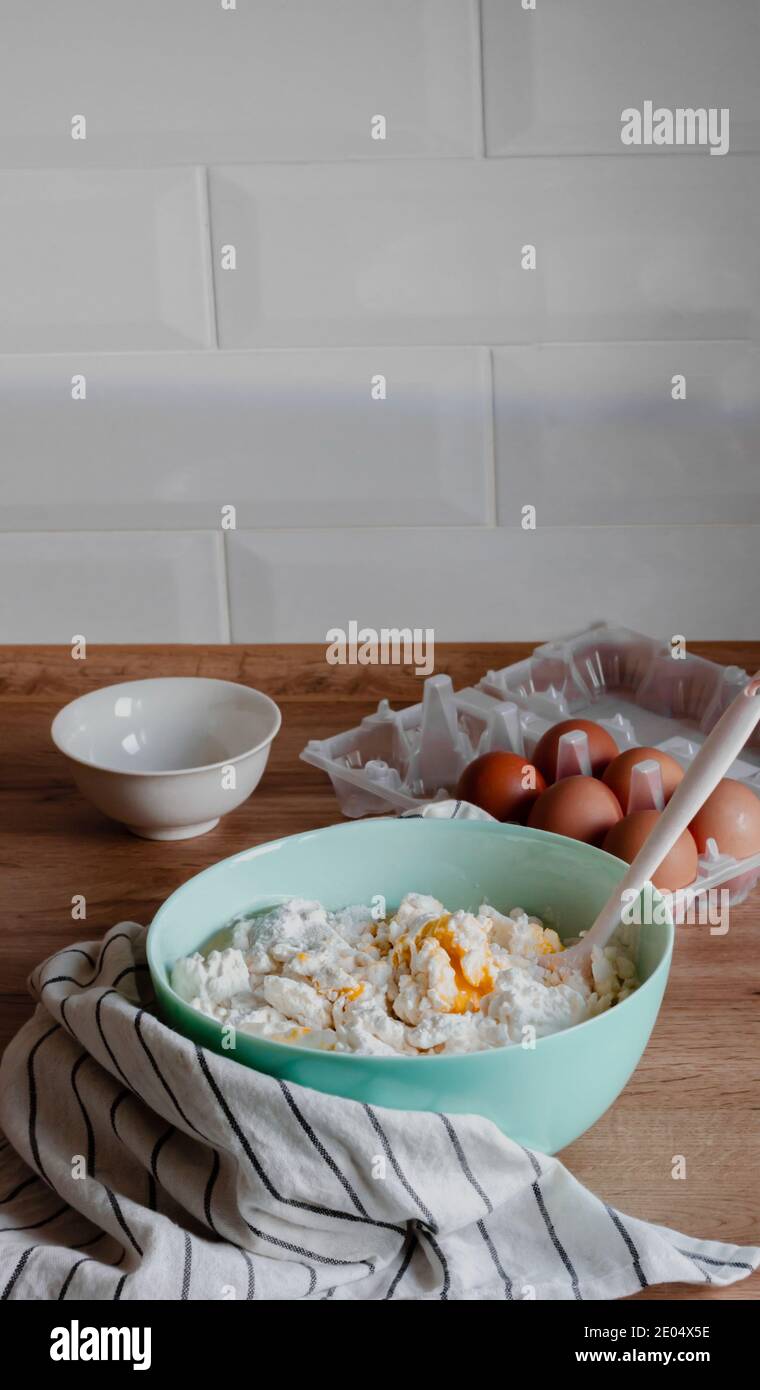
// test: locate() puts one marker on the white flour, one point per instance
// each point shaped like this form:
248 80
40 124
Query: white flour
421 981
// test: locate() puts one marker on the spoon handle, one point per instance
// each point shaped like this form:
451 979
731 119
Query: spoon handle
712 762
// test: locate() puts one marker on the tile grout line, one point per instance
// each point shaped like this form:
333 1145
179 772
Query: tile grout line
325 349
674 154
209 260
491 424
226 583
471 527
480 78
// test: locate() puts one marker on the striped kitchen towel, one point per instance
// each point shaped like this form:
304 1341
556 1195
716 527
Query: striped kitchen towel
139 1166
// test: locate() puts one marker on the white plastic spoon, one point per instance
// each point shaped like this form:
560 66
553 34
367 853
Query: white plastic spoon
712 762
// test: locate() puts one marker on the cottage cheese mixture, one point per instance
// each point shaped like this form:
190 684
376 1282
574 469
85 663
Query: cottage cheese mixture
420 981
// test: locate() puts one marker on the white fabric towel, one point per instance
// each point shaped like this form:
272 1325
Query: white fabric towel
139 1166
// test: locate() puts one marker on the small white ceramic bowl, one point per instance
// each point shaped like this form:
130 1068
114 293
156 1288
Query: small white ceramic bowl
168 757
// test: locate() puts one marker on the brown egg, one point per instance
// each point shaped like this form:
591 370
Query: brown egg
503 784
731 817
625 839
580 807
601 746
617 775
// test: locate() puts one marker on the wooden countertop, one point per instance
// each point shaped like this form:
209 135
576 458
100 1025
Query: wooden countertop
695 1093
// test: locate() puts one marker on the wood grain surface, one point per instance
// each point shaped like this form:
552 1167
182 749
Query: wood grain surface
696 1091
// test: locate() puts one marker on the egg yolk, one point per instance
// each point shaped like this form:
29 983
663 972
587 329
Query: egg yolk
351 992
469 992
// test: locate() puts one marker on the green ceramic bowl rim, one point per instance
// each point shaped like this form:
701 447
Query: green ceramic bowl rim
161 982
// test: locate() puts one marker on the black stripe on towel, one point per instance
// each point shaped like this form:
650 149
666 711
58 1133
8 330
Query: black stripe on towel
117 936
35 1225
470 1176
493 1252
330 1161
87 1260
122 1095
430 1238
60 979
84 984
116 1209
212 1177
33 1101
129 970
19 1188
263 1177
556 1242
103 1038
322 1151
18 1271
91 1240
34 979
118 1289
717 1264
411 1246
694 1259
157 1147
187 1269
88 1124
534 1161
428 1215
615 1219
251 1290
62 1002
67 1281
464 1165
154 1064
300 1250
78 951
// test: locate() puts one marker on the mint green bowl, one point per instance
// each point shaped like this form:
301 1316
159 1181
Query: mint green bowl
543 1097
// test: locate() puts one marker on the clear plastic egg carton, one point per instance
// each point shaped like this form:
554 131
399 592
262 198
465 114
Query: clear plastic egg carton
632 685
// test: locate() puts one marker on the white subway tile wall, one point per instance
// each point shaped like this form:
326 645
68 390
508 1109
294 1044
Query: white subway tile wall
149 588
201 82
577 64
591 432
534 581
625 248
104 259
288 438
382 383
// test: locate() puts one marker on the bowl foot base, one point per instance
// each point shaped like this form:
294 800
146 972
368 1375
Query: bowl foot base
173 832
